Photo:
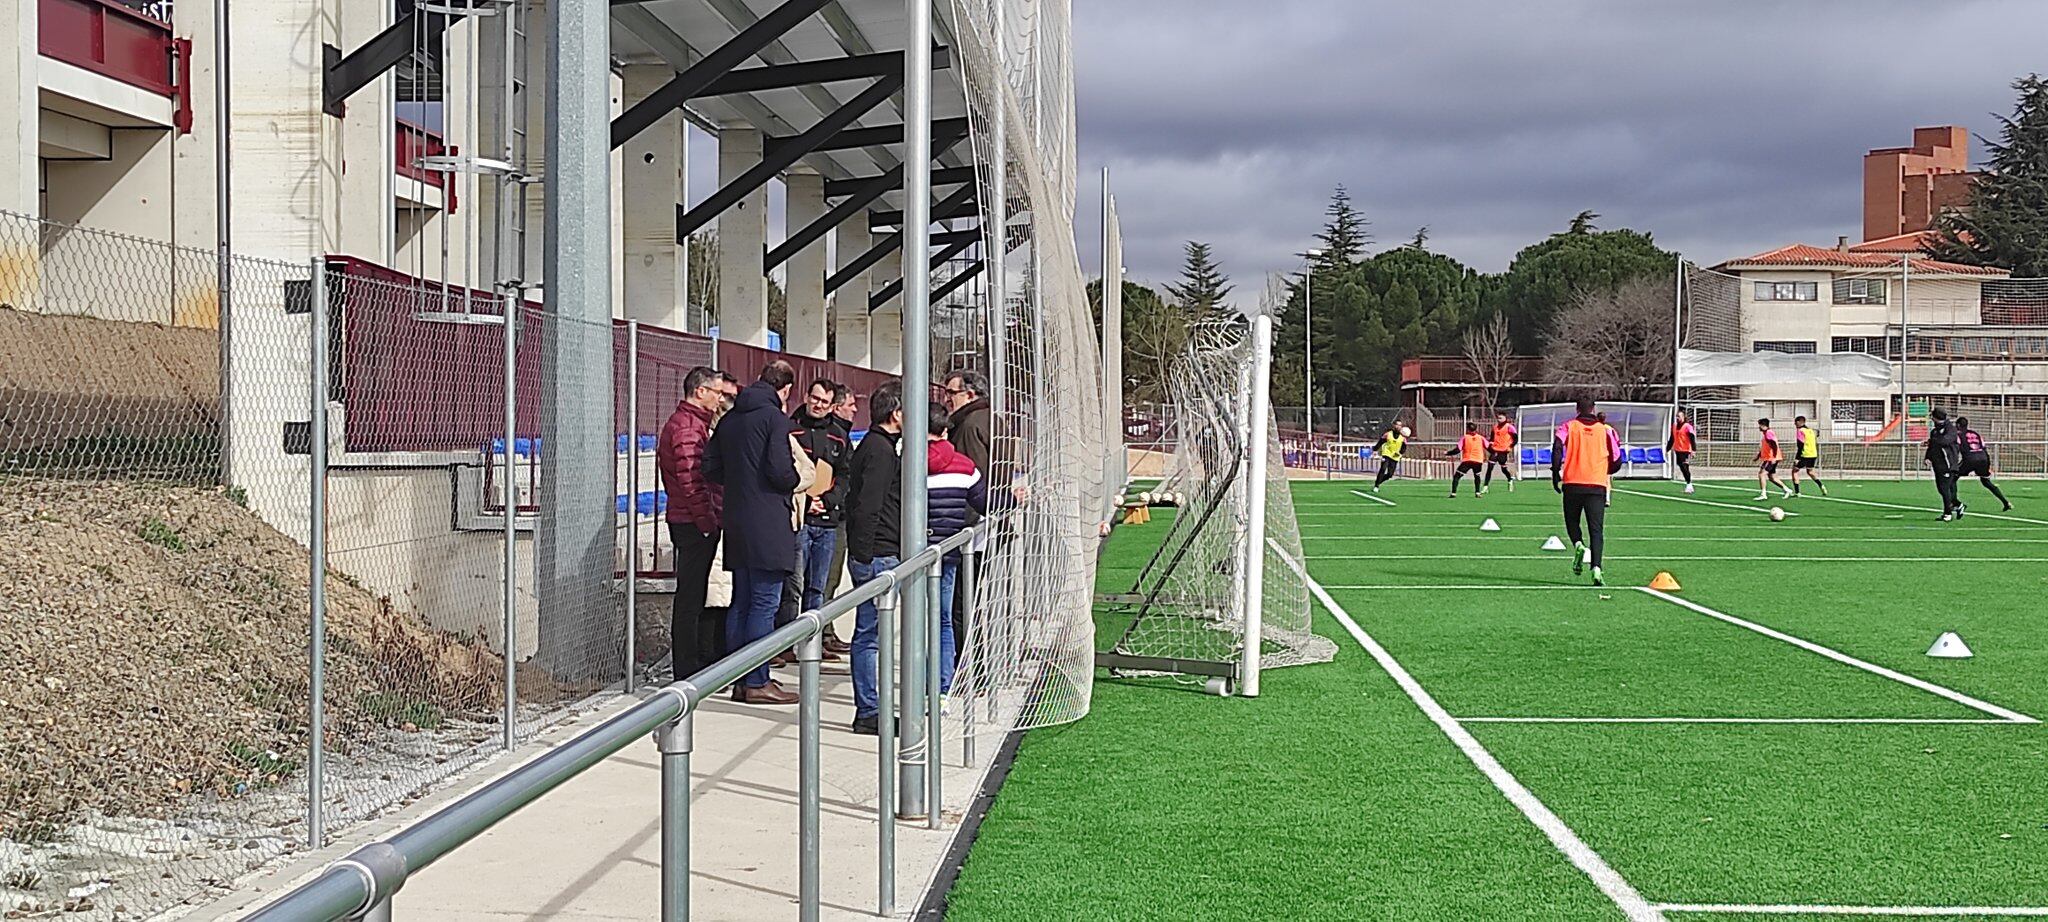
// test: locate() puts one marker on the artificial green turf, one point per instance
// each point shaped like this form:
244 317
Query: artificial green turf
1333 797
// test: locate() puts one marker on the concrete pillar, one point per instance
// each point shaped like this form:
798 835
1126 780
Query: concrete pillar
804 202
742 233
886 332
366 177
19 68
850 302
652 183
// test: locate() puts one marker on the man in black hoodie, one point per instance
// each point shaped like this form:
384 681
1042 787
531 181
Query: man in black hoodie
750 455
874 503
1945 456
822 437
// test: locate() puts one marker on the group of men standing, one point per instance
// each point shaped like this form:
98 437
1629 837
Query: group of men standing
786 501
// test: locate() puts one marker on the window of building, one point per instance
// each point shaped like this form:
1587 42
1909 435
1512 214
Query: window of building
1886 346
1782 412
1788 291
1860 291
1787 346
1857 411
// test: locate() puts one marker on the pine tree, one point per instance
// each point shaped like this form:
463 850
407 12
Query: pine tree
2007 222
1582 223
1202 286
1344 237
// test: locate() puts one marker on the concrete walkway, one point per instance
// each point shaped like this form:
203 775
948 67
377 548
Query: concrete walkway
591 848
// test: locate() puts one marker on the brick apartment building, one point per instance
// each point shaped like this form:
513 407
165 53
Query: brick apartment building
1906 188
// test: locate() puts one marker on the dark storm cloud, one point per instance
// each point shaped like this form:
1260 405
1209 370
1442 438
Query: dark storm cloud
1724 128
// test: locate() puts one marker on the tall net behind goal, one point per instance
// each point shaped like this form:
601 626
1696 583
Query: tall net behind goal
1192 606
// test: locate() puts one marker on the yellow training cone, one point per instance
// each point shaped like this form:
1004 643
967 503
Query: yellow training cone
1663 582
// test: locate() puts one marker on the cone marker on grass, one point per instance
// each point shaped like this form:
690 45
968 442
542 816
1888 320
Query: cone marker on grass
1664 582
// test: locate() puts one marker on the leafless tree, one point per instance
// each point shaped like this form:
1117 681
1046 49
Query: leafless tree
1488 357
1614 343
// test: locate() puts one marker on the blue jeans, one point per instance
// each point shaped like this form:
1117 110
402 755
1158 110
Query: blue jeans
864 637
814 560
756 594
949 576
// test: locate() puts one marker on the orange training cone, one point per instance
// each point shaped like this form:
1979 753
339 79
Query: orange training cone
1663 582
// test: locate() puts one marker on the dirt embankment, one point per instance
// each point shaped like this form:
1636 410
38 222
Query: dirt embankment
153 648
80 392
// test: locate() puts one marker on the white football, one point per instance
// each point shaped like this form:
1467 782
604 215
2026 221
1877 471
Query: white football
1145 499
1777 514
1118 500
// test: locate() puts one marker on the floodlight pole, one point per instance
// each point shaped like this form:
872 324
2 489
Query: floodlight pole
1677 341
1259 413
1308 354
917 395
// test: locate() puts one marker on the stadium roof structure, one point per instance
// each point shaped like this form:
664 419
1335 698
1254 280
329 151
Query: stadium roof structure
1805 256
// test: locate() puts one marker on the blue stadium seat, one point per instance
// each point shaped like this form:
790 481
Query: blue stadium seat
1638 456
1656 456
1528 456
622 442
522 446
647 502
648 440
620 505
1542 456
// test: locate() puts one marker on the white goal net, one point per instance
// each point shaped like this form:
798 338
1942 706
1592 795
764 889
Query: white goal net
1188 611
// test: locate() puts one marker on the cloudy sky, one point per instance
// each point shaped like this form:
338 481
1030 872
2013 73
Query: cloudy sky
1724 128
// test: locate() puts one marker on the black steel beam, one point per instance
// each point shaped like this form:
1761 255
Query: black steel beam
873 137
939 258
944 176
871 189
688 84
885 247
832 70
343 75
687 222
959 278
955 206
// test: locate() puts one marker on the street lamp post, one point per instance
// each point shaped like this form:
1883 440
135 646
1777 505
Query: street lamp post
1308 336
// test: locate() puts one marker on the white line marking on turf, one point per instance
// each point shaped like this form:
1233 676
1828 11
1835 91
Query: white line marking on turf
1510 588
1824 721
1844 658
1697 502
1748 557
1797 910
1867 502
1632 903
1383 502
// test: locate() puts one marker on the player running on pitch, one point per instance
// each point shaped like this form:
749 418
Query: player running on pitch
1470 451
1680 444
1805 455
1389 449
1768 454
1976 460
1501 452
1584 454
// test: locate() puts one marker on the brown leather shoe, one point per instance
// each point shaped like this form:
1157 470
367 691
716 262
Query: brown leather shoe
785 658
770 693
828 657
834 645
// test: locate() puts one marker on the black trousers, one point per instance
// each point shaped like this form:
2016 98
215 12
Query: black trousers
1945 481
1387 468
1684 459
1588 504
697 634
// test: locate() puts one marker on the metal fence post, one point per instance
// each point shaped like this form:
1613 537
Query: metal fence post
675 741
933 766
809 698
966 601
316 548
885 748
510 497
379 913
632 504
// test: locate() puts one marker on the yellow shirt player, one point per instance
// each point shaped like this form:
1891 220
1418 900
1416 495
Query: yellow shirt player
1389 448
1805 455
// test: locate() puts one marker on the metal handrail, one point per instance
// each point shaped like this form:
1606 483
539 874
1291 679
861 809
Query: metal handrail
361 884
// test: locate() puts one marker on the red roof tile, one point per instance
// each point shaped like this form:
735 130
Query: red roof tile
1915 242
1800 255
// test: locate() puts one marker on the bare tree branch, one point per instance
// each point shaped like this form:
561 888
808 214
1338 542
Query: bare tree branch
1488 356
1614 343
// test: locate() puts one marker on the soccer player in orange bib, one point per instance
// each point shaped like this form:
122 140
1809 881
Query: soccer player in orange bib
1768 454
1471 451
1680 445
1584 454
1500 452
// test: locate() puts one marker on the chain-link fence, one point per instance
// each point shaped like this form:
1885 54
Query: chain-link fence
156 508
